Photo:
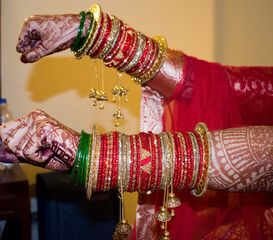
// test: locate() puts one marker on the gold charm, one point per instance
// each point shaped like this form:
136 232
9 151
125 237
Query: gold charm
165 236
163 215
173 201
123 230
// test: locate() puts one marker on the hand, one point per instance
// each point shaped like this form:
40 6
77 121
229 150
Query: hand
42 35
40 140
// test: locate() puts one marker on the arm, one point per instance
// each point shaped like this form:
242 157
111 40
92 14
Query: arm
241 157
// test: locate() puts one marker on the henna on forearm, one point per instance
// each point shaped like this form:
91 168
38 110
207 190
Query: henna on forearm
242 159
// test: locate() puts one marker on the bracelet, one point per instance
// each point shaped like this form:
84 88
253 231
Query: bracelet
161 41
94 26
79 35
202 129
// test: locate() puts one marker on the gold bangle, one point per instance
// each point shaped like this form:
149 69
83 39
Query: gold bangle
202 129
97 163
112 37
162 44
196 158
91 166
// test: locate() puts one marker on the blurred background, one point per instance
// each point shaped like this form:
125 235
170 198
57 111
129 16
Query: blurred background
229 31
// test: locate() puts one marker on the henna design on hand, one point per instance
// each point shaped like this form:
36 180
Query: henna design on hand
41 140
242 159
42 35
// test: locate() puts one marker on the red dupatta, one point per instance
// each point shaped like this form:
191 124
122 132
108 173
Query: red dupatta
222 97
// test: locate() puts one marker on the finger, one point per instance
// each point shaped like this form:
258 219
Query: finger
14 132
7 129
36 146
7 157
30 35
55 164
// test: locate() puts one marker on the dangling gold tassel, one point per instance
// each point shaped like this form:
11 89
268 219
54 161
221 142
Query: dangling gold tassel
173 201
165 236
119 92
123 228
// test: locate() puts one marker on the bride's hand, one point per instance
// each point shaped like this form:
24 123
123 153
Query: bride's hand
40 140
42 35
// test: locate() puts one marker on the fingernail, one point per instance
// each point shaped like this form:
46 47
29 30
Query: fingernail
23 59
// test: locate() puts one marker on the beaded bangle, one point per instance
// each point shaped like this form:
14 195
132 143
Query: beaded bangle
184 163
196 159
178 160
157 64
111 40
202 129
121 34
108 162
141 43
159 162
189 159
88 168
152 142
79 34
131 52
128 164
102 36
92 164
96 164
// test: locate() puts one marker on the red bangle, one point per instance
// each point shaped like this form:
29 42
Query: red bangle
115 161
107 60
103 162
142 59
199 141
123 50
100 162
145 159
131 52
138 160
101 44
97 35
150 58
190 160
184 163
152 177
178 155
159 171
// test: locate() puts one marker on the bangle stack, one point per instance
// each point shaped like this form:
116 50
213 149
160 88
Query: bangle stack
145 162
120 46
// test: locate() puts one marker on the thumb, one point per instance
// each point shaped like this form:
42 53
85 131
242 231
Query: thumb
34 54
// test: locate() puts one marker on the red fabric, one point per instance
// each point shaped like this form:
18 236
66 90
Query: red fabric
222 97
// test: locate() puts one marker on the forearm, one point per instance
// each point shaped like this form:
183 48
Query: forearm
136 54
242 159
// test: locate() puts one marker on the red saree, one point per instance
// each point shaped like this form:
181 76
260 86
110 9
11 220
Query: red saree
222 97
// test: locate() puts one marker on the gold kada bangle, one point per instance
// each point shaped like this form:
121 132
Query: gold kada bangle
162 43
202 129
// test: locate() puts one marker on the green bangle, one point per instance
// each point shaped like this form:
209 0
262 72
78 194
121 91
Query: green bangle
82 42
76 159
83 158
79 35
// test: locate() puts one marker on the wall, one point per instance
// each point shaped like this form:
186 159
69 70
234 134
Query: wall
243 32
